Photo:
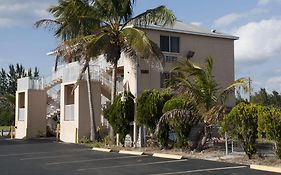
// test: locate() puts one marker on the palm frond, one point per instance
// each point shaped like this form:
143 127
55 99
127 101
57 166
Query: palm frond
159 15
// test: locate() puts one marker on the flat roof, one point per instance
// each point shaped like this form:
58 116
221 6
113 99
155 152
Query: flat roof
187 28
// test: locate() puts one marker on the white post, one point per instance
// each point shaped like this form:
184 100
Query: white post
232 147
117 139
226 144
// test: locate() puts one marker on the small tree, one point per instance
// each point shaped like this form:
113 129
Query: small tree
150 105
179 103
270 125
120 114
241 124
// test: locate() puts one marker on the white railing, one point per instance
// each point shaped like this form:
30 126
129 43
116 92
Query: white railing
69 112
21 114
29 83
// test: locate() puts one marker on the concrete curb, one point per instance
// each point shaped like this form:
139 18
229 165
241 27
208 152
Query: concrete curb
101 149
266 168
131 152
169 156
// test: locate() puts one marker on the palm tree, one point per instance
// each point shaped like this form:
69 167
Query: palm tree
202 86
69 24
110 28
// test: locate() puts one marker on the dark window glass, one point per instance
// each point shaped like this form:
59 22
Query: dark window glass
175 44
164 43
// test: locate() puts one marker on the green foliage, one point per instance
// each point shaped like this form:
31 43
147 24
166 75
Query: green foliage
84 139
150 105
178 120
6 117
263 98
242 124
270 125
179 103
121 114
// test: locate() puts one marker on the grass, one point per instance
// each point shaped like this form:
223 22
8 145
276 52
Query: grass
5 128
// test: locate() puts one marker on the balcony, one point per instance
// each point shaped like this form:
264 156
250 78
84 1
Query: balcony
29 83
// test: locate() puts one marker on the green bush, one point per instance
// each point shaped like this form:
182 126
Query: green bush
242 124
7 117
121 114
150 105
178 103
270 125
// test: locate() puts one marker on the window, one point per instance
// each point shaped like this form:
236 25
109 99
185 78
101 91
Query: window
170 44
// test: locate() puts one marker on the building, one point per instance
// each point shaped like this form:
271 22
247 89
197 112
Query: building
180 41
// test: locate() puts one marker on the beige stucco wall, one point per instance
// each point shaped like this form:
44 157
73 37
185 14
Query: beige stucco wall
34 124
221 50
84 113
81 121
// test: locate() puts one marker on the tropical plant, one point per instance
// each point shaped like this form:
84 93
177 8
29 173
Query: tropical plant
150 106
269 125
120 114
179 102
178 120
205 92
104 27
242 124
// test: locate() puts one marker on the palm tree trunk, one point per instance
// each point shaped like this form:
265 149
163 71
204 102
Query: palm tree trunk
91 106
113 88
113 93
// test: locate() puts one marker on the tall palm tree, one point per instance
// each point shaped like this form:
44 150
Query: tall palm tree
68 23
202 86
110 28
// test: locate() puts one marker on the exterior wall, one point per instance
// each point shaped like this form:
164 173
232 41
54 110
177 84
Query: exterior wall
20 126
34 123
68 128
84 113
81 122
221 50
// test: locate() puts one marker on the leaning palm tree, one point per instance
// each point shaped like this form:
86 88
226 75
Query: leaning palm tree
69 24
202 86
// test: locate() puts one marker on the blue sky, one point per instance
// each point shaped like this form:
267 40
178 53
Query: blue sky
256 22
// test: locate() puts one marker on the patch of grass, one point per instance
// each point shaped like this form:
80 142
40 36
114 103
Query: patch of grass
5 128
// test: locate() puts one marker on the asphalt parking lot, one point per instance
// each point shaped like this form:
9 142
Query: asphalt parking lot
44 156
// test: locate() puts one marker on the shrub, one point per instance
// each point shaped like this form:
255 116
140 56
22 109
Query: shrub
270 125
150 105
241 124
178 120
121 114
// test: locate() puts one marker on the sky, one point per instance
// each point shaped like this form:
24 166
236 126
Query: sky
256 22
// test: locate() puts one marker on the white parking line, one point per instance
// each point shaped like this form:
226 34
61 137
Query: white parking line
92 160
22 154
135 164
45 157
43 152
202 170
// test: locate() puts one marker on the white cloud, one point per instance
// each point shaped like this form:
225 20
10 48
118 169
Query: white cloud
196 23
23 12
266 2
273 83
258 40
227 19
233 17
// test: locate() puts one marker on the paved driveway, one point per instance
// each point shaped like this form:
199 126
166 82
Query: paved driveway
42 157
